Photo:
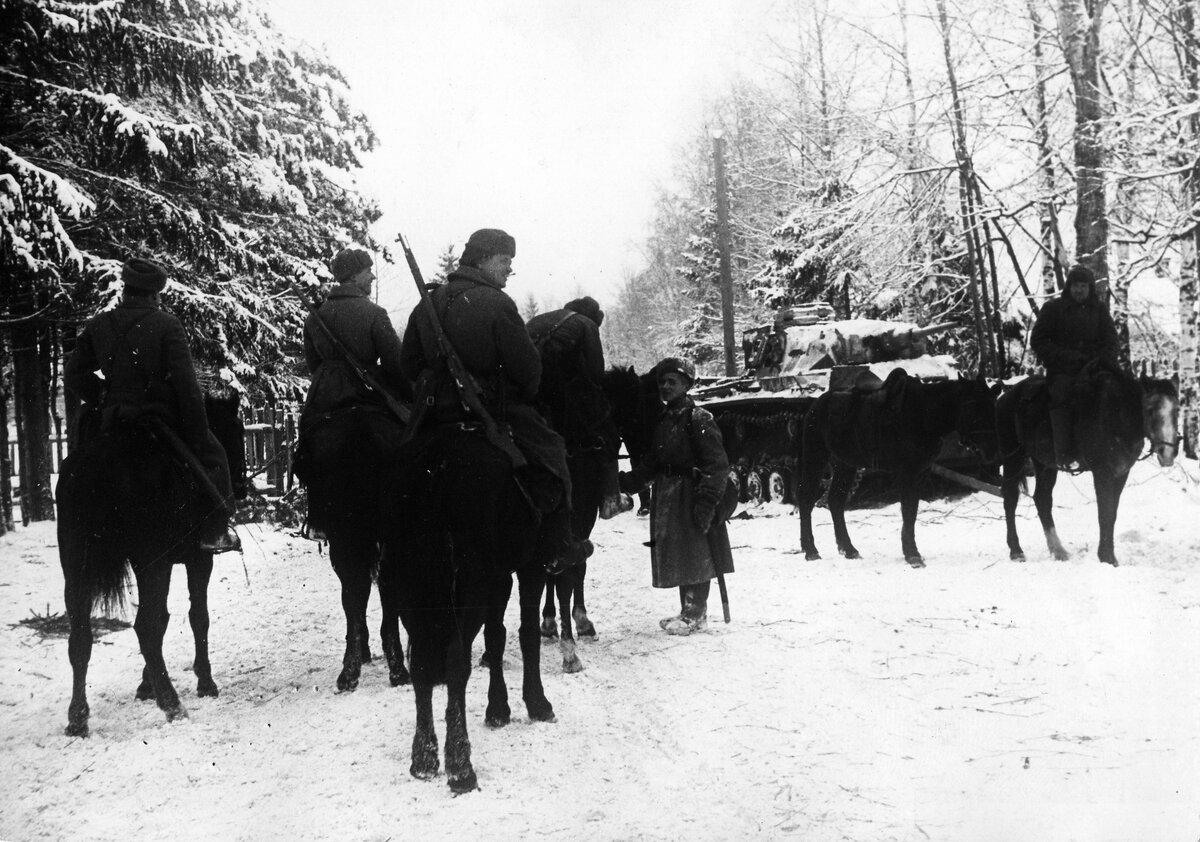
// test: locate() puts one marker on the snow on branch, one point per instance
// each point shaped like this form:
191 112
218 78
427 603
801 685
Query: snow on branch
32 203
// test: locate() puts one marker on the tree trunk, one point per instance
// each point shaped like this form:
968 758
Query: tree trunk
6 472
1079 26
1052 261
1189 306
33 417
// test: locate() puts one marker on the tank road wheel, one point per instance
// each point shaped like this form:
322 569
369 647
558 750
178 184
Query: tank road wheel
777 487
756 490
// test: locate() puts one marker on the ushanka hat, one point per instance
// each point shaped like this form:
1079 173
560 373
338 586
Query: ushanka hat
678 366
486 242
138 273
348 263
586 306
1080 275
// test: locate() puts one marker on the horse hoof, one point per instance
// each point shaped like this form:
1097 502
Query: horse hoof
423 771
463 783
176 713
77 729
541 711
144 693
852 553
399 677
549 627
583 626
1017 556
812 555
915 562
346 684
207 688
497 720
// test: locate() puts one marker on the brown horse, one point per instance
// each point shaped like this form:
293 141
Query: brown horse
1114 413
897 429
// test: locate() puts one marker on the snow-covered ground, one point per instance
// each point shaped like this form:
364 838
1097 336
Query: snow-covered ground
977 699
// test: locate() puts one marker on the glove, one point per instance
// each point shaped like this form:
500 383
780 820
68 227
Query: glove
702 515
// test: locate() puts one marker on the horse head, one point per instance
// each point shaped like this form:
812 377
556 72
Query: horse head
1160 418
975 420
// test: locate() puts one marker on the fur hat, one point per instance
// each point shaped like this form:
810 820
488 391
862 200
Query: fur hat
349 262
147 275
1081 274
586 306
486 242
679 366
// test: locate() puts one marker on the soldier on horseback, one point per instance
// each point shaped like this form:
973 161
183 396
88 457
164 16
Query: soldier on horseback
1072 330
147 370
482 323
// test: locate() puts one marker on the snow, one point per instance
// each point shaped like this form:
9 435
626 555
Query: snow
977 699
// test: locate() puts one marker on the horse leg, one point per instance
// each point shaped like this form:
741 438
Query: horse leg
584 627
154 586
79 646
1010 490
1108 497
910 499
839 491
425 762
564 584
459 773
351 562
806 498
389 627
494 633
199 572
531 579
1046 476
549 626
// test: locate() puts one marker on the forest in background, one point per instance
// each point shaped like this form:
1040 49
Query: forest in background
935 162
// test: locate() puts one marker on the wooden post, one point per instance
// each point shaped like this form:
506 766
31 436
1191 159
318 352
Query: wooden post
731 368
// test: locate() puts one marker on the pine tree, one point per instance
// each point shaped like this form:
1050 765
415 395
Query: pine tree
186 132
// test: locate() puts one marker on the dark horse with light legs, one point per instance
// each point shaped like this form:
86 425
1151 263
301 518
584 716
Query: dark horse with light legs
461 527
343 459
125 500
581 421
897 428
1113 413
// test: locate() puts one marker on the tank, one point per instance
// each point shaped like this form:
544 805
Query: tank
788 364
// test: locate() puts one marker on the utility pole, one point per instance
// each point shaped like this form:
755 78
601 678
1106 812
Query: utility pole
731 369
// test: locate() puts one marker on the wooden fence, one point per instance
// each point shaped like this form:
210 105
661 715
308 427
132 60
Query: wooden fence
269 446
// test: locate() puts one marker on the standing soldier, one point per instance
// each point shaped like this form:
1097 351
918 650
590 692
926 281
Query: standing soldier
147 366
1071 331
485 328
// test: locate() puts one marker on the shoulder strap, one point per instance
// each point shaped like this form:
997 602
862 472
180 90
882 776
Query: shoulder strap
542 341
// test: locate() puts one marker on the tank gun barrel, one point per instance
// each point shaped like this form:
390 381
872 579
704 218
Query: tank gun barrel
920 332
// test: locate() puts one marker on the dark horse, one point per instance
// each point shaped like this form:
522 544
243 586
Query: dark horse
464 526
125 500
1113 414
343 458
897 428
579 418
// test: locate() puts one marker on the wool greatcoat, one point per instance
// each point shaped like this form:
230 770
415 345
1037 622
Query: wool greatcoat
1068 334
689 469
489 336
147 366
571 393
364 329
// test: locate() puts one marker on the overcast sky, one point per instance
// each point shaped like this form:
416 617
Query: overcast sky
552 119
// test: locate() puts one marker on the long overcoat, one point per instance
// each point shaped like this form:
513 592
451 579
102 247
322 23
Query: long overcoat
364 329
489 337
147 366
1069 333
688 468
571 393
